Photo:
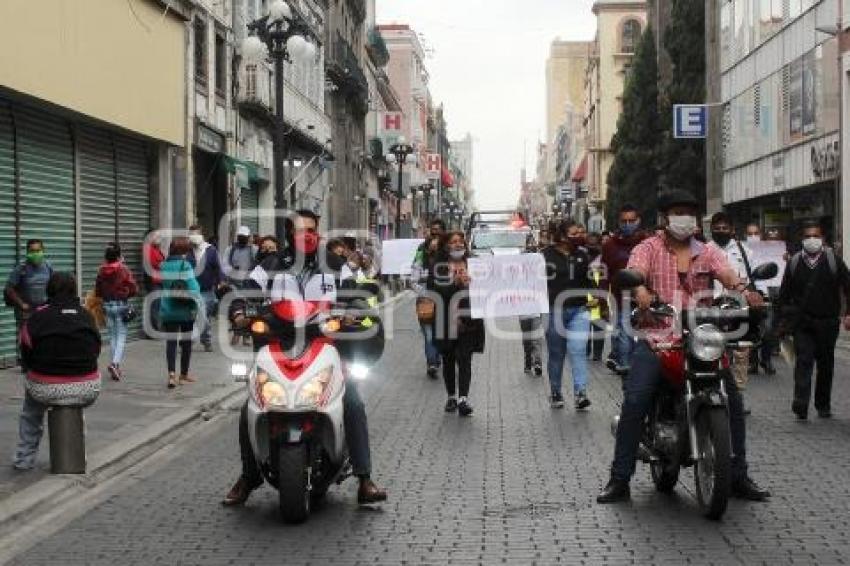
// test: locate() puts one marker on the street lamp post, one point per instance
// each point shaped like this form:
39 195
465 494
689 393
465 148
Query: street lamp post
281 34
399 153
426 190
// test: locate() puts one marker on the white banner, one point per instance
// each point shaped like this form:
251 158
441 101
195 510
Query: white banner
507 286
766 252
397 256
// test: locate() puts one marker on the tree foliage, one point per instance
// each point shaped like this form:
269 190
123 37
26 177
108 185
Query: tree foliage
634 175
682 161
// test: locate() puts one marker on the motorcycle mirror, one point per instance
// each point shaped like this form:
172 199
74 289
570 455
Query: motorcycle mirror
765 271
629 279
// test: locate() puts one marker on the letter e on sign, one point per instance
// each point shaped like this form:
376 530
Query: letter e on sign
690 121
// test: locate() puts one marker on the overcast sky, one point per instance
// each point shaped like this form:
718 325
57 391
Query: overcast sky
488 67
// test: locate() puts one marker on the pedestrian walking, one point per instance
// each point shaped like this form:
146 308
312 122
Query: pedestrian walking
423 265
26 287
815 282
598 323
615 257
738 255
153 258
60 344
210 275
457 335
567 265
180 306
531 328
240 258
115 286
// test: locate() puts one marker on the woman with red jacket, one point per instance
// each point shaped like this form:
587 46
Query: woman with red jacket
115 285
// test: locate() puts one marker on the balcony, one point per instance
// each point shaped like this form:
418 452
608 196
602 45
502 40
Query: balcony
377 48
345 72
254 93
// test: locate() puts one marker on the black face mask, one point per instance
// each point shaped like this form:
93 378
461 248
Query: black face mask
722 239
241 241
335 262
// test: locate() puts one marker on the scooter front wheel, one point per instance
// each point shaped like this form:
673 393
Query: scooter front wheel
293 483
713 468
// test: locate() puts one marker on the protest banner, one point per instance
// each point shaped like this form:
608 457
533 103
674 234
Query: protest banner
766 252
397 256
507 286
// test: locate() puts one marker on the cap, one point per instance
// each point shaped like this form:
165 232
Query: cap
676 197
243 231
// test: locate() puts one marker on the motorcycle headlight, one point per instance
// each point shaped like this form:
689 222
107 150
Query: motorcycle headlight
267 392
359 371
317 390
707 343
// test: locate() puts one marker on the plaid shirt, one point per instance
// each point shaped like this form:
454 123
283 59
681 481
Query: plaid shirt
654 258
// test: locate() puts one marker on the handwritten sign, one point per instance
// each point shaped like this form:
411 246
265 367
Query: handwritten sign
766 252
397 256
508 286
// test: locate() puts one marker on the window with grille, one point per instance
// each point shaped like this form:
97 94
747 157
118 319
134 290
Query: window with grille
630 36
757 106
251 91
220 64
201 55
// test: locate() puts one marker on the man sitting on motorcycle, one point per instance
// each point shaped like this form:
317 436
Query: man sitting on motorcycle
677 268
300 260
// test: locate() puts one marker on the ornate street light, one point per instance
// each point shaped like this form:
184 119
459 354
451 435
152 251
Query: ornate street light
399 153
283 35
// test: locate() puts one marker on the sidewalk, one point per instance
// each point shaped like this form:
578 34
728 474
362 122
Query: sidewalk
127 413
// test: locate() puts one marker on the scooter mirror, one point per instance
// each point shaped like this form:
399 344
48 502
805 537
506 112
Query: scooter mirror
765 271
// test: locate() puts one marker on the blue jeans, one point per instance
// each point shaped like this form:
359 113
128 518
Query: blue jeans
30 430
115 311
210 303
576 322
432 356
622 342
639 394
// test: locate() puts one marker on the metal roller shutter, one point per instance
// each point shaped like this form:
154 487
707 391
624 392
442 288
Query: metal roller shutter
249 202
7 230
134 216
97 199
45 160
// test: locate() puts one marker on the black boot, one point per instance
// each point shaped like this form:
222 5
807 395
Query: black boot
615 491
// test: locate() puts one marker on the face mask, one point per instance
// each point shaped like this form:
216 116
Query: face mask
722 239
754 239
353 266
306 243
629 229
681 227
457 254
576 241
242 241
36 258
196 240
813 245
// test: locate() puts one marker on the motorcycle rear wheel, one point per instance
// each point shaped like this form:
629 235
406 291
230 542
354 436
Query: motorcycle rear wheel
293 484
713 468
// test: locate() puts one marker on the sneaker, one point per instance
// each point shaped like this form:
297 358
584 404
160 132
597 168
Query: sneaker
611 364
582 402
464 409
556 401
622 371
538 369
208 348
451 405
114 372
433 371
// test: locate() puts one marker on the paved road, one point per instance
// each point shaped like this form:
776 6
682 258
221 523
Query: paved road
515 485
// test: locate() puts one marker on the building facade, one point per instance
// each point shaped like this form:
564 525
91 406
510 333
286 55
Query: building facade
780 115
80 166
619 25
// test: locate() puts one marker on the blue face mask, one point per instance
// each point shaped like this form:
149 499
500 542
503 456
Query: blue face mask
629 229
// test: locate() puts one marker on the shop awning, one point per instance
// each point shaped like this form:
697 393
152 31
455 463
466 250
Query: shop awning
581 171
244 171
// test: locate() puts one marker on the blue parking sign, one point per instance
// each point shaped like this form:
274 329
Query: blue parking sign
690 121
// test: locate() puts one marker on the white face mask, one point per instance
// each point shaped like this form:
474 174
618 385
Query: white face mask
681 227
754 239
353 266
196 240
457 254
813 245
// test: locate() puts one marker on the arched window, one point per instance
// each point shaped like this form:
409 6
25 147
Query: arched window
630 36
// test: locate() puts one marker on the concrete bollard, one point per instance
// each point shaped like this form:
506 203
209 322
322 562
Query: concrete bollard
66 428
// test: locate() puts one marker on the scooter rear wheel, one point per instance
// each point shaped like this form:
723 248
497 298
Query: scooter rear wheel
293 484
713 468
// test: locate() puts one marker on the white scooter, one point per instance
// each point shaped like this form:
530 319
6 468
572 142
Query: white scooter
296 386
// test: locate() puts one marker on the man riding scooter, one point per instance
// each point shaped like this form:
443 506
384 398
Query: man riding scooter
300 261
679 270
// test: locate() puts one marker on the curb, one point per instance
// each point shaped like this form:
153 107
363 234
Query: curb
108 462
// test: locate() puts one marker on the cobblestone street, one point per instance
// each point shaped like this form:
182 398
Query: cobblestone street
514 484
